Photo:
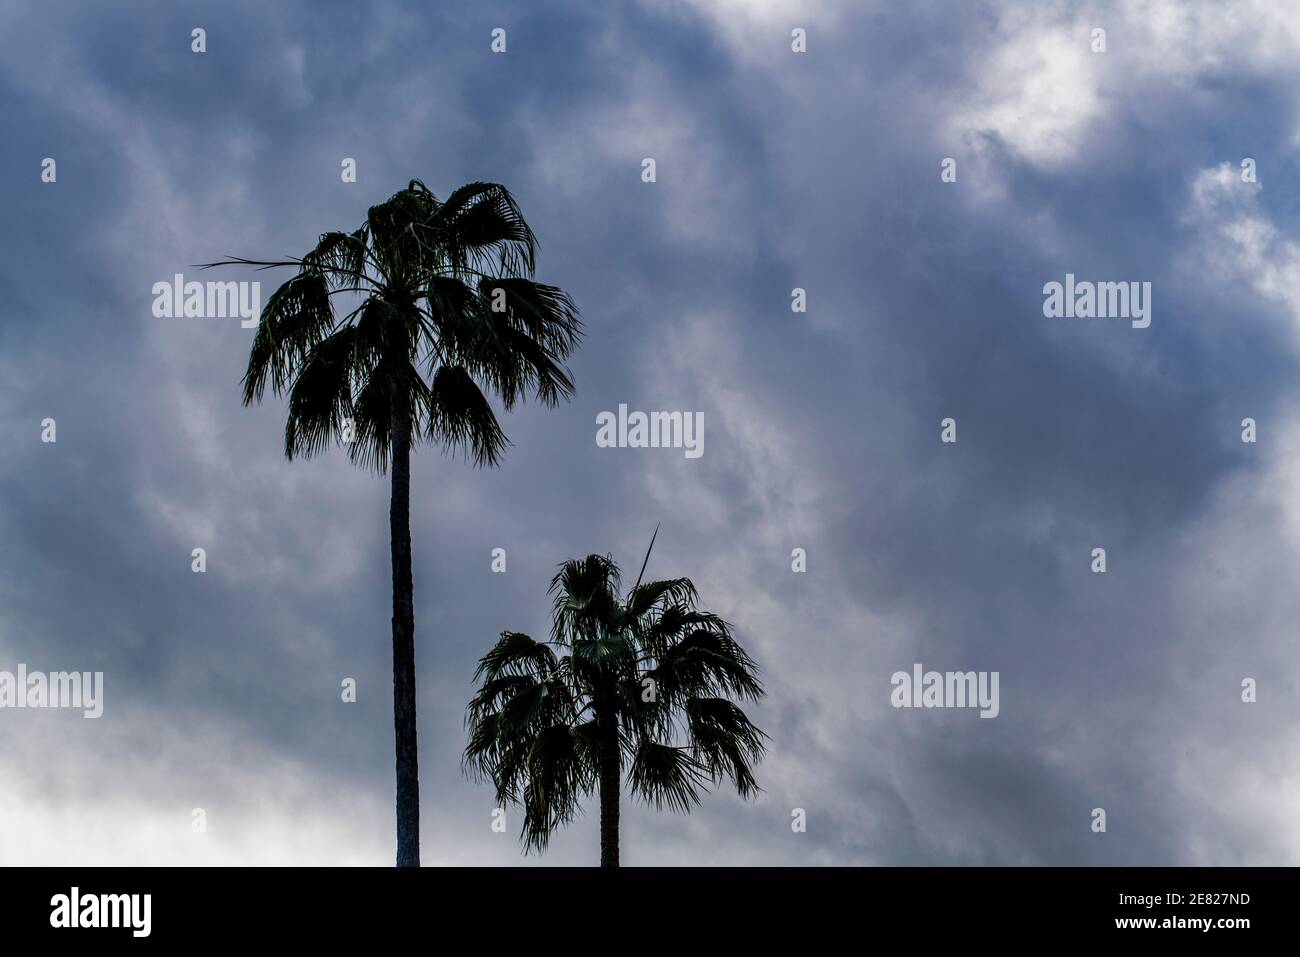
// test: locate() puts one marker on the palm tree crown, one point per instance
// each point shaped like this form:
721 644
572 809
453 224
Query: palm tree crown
445 306
643 682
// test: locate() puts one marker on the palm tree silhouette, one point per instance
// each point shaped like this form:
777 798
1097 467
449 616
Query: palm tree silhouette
445 307
643 681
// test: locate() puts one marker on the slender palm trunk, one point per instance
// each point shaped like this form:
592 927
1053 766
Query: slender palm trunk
607 743
408 775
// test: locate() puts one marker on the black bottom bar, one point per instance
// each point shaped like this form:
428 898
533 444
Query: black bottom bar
1228 906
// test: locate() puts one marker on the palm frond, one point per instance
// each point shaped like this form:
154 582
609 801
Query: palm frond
481 225
545 313
666 776
675 591
295 318
459 416
341 257
495 692
321 396
724 740
558 775
708 663
400 251
516 653
372 420
585 598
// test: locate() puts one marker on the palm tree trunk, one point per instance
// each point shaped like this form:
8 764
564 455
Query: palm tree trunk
408 775
607 743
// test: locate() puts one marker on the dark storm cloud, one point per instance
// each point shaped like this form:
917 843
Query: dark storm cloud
821 430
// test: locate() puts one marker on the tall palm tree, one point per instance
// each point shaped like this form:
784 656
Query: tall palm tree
443 308
642 682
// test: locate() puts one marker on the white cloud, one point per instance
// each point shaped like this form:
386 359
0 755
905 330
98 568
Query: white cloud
1038 86
1238 242
138 780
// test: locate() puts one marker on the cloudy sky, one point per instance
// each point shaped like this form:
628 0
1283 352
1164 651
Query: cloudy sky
775 170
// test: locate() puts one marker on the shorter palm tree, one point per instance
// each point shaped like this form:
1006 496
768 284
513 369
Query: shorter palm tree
642 682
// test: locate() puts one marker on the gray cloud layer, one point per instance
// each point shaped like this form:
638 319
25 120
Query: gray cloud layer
775 170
